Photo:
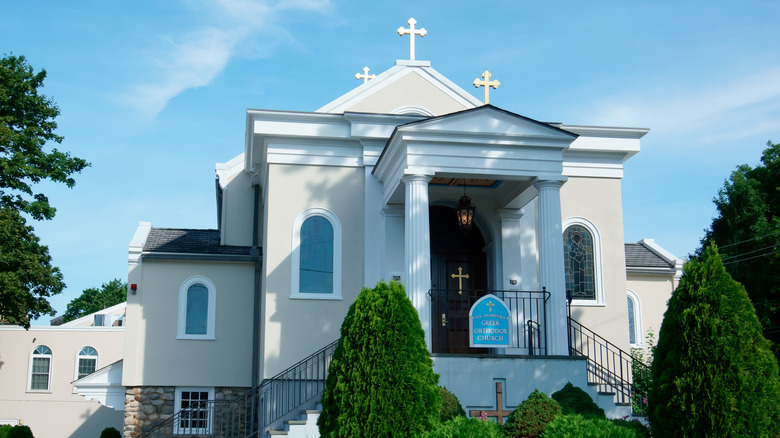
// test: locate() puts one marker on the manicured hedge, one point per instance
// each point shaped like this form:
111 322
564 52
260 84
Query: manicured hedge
574 400
530 418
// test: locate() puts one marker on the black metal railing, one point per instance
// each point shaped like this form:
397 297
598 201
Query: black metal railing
609 367
250 415
528 324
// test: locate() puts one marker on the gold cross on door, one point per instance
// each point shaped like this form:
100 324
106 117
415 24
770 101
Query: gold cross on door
460 276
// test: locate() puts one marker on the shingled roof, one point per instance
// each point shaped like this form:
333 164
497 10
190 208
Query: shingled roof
639 256
189 241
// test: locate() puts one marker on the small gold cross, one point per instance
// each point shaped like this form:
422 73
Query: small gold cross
365 76
490 305
487 83
460 278
412 32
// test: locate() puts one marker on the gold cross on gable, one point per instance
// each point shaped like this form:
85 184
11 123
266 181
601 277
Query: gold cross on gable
365 76
412 32
487 83
460 278
490 305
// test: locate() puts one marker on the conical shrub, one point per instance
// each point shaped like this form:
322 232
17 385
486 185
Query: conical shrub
713 372
381 381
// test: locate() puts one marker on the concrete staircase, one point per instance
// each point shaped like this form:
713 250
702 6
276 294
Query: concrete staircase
304 427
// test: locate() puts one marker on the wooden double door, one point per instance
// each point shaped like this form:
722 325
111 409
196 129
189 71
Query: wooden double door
458 280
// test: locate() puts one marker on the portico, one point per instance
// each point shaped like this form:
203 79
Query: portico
522 156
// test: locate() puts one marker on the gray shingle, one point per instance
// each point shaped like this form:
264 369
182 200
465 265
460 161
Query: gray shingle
639 256
189 241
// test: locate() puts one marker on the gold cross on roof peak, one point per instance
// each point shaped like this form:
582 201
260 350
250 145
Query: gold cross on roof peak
487 83
365 76
412 32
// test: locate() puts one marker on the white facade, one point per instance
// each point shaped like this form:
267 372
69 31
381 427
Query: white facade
320 204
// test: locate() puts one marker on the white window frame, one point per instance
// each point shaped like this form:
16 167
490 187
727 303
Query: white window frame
637 318
177 408
210 314
78 361
30 370
295 286
598 277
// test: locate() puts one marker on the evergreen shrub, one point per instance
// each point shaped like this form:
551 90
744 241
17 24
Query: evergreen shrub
574 400
381 381
640 430
4 429
110 432
450 405
713 372
20 431
577 426
462 427
530 418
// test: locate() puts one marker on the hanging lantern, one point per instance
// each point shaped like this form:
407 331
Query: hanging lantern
465 212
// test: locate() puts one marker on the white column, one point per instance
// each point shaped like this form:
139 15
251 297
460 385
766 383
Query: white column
417 249
510 248
551 267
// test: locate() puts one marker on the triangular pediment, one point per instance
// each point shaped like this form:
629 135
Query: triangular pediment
409 87
488 120
485 143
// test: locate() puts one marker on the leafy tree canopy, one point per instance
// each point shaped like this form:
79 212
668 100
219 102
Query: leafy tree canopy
747 232
713 373
26 125
94 299
27 277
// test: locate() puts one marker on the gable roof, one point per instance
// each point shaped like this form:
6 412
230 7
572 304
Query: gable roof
394 84
639 256
189 241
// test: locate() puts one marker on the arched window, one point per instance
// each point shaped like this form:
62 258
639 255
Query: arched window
634 320
582 261
197 308
316 255
87 362
40 369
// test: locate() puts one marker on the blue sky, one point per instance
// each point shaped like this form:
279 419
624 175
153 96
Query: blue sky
154 93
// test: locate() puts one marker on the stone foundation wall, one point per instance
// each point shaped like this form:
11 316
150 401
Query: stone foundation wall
146 406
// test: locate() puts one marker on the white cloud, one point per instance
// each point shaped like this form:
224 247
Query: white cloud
737 107
195 58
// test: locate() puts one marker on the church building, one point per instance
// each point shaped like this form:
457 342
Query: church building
506 232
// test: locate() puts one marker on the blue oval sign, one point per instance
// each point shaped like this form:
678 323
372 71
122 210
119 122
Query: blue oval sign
489 323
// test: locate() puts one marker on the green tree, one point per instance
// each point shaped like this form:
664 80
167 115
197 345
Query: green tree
747 233
27 277
713 372
381 381
26 125
94 299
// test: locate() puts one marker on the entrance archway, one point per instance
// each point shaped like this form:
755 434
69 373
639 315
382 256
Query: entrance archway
459 278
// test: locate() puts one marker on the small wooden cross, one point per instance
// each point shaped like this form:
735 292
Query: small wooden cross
412 32
365 76
460 278
487 83
499 413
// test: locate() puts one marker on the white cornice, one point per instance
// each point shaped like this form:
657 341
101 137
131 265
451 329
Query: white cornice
137 242
605 131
